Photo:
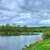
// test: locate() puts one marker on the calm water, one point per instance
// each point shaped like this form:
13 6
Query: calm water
17 42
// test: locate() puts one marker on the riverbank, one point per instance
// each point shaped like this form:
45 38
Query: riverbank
40 45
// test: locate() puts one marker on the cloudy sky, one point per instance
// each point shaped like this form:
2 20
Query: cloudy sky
25 12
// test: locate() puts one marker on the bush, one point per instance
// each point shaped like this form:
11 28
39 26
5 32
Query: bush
47 35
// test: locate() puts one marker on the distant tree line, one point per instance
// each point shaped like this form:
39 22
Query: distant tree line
18 30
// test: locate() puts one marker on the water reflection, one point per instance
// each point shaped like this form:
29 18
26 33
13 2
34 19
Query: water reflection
17 42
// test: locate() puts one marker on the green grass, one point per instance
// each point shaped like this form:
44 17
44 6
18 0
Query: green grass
40 45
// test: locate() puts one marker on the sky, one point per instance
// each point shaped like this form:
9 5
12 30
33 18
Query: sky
25 12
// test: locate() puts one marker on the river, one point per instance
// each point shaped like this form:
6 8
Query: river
17 42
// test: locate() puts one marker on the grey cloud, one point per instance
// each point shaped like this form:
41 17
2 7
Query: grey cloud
10 11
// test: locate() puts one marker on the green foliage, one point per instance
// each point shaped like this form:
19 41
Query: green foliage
40 45
47 35
17 30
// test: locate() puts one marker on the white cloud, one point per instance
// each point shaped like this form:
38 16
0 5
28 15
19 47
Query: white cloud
45 22
25 15
19 22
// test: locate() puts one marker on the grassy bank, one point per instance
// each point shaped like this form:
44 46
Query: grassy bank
40 45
